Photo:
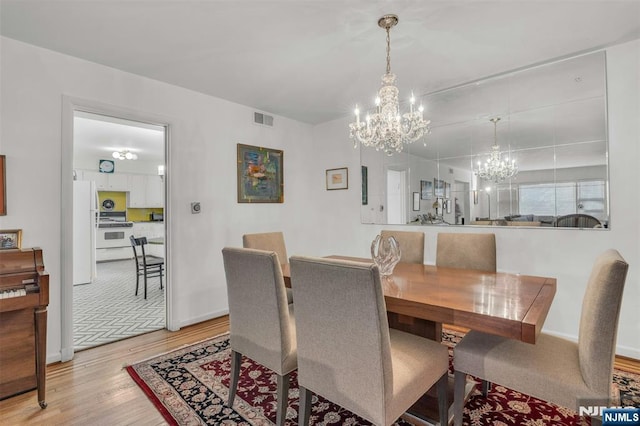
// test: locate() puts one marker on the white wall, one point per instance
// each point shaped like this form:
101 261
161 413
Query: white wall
204 134
564 254
315 221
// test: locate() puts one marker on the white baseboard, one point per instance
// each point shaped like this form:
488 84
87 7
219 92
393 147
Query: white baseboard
202 318
620 349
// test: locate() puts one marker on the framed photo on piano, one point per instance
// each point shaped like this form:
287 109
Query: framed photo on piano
10 239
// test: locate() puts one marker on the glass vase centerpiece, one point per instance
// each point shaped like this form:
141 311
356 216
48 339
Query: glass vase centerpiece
385 254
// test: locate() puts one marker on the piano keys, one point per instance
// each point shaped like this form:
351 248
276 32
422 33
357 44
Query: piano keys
24 297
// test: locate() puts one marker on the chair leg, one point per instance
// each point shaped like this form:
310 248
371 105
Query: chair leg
145 283
161 269
282 399
236 358
137 280
460 380
486 387
443 399
304 410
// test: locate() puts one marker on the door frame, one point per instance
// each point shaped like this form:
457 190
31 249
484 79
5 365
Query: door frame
69 105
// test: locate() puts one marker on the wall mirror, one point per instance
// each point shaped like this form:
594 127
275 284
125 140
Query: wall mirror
552 124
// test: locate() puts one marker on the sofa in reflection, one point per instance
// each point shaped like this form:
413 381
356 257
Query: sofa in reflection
577 220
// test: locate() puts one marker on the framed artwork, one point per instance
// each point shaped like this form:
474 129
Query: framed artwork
365 185
337 179
426 189
3 187
438 188
260 175
416 202
10 239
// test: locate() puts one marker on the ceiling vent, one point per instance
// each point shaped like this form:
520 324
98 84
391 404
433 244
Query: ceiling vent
264 119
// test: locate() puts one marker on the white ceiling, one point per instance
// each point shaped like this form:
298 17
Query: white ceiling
313 60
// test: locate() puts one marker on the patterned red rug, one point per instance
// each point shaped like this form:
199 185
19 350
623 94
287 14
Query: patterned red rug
189 386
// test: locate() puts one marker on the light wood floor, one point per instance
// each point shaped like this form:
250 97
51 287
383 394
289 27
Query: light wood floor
94 388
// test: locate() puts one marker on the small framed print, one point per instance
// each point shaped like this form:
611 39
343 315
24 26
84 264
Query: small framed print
426 189
337 179
416 202
10 239
365 185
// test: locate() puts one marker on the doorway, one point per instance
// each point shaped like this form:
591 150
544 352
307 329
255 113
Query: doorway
119 156
396 199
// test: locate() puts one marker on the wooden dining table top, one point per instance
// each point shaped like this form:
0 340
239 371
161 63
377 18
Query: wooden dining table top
505 304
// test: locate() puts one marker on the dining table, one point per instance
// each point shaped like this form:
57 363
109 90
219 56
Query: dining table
421 298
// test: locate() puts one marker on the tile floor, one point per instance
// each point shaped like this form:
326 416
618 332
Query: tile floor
107 309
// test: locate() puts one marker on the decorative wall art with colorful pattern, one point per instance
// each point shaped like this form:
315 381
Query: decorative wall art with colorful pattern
260 175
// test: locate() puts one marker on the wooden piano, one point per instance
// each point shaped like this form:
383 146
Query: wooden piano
24 296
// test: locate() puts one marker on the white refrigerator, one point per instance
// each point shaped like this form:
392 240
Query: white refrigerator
85 222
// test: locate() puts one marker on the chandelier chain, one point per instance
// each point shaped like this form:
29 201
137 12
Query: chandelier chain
388 52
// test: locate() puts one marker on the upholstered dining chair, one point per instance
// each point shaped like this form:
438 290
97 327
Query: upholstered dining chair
577 220
271 241
411 245
262 325
346 351
466 251
564 372
146 266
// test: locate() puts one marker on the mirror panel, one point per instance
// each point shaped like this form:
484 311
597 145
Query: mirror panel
552 123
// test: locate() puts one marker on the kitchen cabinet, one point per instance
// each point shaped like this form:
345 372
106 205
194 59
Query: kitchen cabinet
115 253
155 191
145 191
137 191
106 181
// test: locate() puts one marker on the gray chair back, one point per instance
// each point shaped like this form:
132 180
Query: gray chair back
599 319
271 241
411 245
259 315
343 334
466 251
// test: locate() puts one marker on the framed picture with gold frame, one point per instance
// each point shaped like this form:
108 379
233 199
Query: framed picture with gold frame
10 239
260 174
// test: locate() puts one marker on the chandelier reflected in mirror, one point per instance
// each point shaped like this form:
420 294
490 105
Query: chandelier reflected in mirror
496 169
387 129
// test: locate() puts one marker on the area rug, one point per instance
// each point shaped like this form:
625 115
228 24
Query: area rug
189 386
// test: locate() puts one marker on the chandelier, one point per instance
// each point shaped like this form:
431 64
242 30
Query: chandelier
495 168
124 155
387 129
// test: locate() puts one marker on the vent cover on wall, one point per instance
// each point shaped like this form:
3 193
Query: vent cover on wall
264 119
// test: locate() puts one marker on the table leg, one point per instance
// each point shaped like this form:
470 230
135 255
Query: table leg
418 326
